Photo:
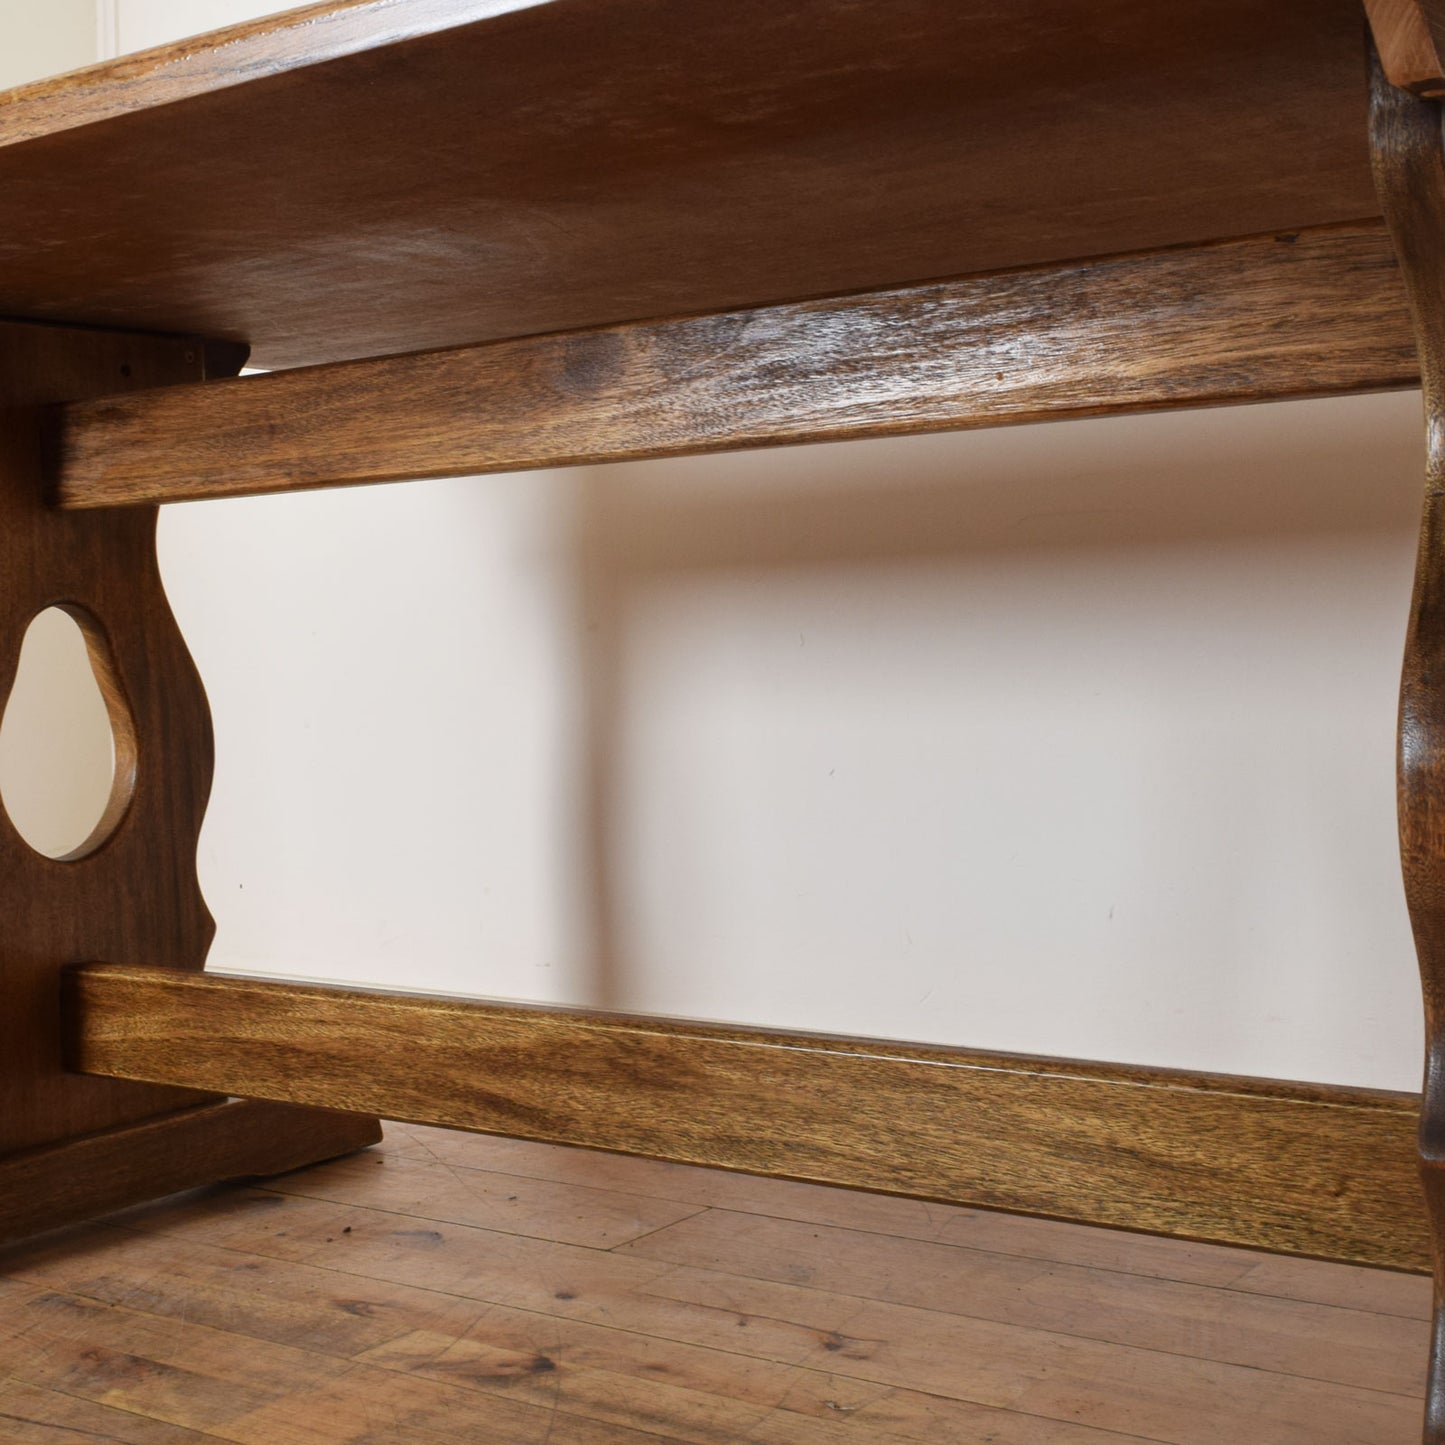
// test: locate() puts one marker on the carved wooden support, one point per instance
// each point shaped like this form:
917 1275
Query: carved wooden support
1405 141
130 892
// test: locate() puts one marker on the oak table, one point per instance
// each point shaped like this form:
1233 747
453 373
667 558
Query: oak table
464 236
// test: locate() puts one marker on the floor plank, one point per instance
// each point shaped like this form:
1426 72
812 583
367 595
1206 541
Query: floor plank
1381 1291
497 1348
543 1209
1321 1342
455 1287
30 1416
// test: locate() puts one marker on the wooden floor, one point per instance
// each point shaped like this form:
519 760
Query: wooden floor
452 1288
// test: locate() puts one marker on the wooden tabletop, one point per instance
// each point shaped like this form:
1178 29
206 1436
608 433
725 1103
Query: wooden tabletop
389 175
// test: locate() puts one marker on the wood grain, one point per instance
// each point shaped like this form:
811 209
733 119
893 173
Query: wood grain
1410 38
525 1162
293 39
135 896
348 1262
643 1344
1291 1167
1317 1339
1301 314
131 890
1288 1336
52 1417
1410 172
403 176
42 1189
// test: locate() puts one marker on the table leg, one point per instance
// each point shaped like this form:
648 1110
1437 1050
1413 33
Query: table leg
1406 148
130 891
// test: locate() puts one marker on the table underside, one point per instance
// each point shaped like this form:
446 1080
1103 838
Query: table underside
368 178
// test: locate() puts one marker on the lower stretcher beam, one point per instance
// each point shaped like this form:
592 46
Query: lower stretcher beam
1297 1168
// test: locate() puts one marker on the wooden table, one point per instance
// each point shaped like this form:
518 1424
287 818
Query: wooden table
486 235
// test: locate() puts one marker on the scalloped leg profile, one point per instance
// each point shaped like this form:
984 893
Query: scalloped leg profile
1406 149
72 1146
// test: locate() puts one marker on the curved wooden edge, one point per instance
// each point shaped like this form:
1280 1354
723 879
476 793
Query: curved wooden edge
70 1146
134 893
1406 148
292 40
1302 1169
126 741
1152 331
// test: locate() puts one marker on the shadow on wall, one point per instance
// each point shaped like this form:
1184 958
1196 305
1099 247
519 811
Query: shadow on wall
1072 739
1092 753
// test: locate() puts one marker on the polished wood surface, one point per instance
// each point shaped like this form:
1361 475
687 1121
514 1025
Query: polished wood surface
1293 1167
1410 172
238 55
396 178
130 891
457 1288
414 175
57 1184
135 896
1410 37
1171 328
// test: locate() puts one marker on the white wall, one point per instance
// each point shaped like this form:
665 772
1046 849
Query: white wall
137 24
45 37
1074 738
57 752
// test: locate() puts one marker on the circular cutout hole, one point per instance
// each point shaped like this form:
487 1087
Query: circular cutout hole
67 747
